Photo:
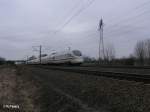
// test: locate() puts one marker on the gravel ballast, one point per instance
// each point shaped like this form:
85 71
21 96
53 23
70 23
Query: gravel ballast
43 90
100 92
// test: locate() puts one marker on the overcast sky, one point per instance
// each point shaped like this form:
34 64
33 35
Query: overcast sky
27 23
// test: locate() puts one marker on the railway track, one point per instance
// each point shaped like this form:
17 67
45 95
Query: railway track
117 75
113 66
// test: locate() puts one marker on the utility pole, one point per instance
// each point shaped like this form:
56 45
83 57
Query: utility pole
101 42
40 51
27 60
69 48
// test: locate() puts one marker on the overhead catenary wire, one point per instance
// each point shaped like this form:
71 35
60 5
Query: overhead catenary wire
116 27
137 8
39 50
72 10
90 2
128 19
75 15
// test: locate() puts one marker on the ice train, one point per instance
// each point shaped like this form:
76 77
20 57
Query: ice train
73 57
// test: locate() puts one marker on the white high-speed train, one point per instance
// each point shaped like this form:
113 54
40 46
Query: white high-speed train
73 57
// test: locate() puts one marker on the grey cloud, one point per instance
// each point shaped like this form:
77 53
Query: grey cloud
25 23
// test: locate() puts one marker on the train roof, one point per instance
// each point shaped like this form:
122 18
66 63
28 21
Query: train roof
65 52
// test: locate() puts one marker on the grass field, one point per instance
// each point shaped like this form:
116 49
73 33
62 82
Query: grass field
41 90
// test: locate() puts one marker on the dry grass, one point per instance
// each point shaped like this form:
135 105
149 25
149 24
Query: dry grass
101 92
30 88
17 89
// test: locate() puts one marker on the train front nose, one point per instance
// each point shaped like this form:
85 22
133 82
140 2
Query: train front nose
77 60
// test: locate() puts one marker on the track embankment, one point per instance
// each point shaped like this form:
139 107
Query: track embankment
122 75
100 93
35 89
18 92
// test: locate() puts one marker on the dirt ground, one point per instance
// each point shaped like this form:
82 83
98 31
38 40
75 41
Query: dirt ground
31 89
99 92
22 91
17 92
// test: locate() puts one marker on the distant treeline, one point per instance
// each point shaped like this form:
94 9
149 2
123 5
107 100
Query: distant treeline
4 61
140 56
115 61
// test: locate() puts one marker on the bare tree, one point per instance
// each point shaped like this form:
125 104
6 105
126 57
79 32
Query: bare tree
109 52
2 60
147 50
140 51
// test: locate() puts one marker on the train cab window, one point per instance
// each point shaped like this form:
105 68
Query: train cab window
77 53
43 55
53 53
69 55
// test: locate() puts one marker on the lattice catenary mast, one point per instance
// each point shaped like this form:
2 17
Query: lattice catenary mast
101 42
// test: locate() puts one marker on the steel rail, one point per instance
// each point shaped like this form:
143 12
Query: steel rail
117 75
117 66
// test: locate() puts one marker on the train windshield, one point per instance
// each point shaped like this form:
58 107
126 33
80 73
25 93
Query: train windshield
77 53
